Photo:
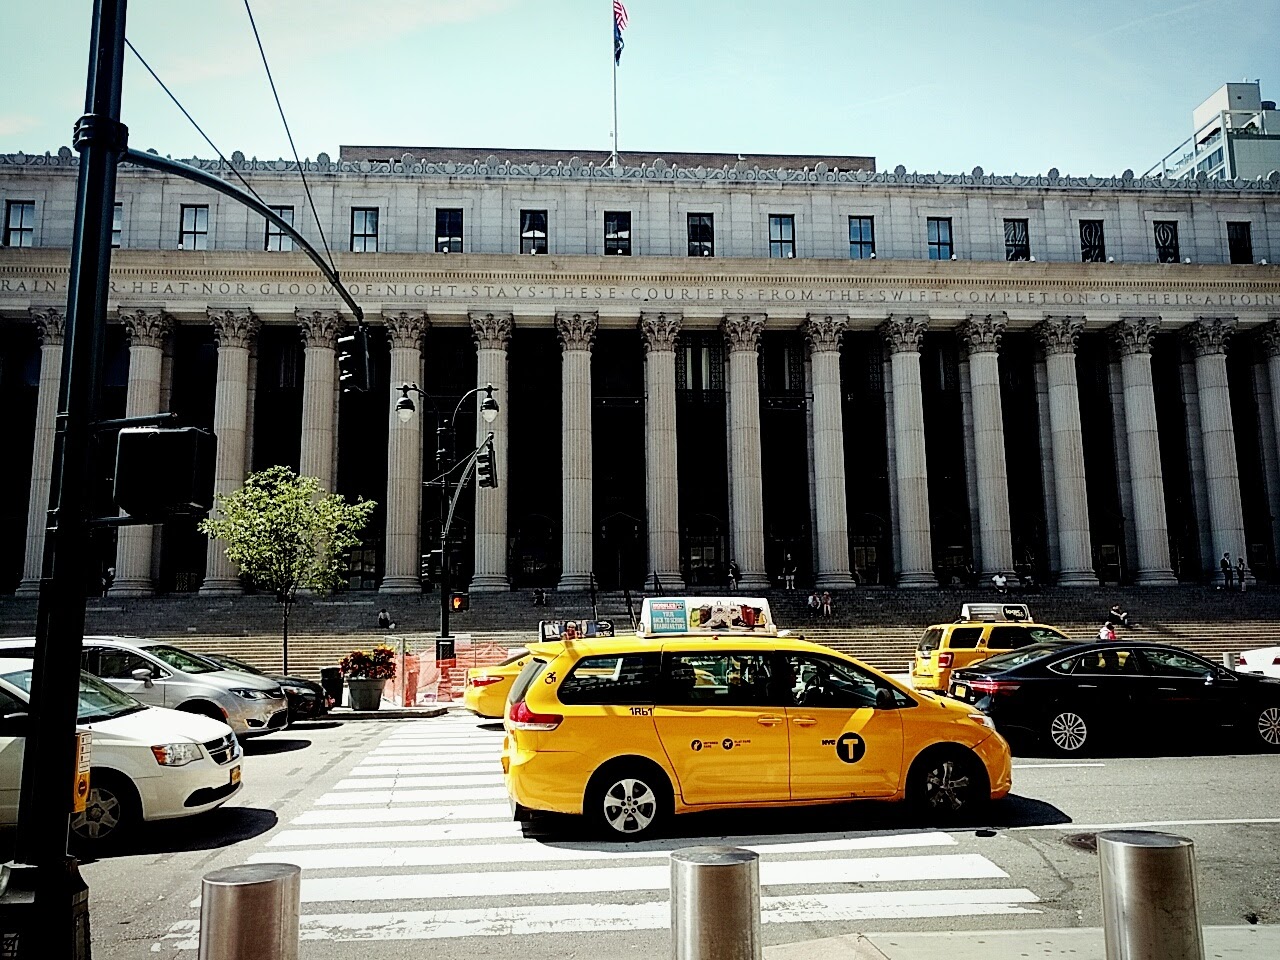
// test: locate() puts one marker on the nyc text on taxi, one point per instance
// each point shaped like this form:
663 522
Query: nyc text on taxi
707 707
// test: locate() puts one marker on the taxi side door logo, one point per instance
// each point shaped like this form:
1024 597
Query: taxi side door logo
696 746
850 748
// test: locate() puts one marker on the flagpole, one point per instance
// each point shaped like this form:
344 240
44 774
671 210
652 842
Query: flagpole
613 50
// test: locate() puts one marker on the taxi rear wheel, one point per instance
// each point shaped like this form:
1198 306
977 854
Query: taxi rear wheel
628 801
947 783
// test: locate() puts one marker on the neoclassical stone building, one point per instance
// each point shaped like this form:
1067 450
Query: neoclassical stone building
885 376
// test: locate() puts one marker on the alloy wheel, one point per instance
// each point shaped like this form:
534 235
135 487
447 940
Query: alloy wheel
630 806
1269 726
947 786
1068 731
103 812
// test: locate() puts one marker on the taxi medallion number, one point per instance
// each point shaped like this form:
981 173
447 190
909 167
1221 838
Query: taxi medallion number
235 774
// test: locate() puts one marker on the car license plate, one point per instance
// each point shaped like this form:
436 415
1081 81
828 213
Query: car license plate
235 774
960 691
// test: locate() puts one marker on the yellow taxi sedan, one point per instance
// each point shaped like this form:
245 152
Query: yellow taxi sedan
630 731
487 688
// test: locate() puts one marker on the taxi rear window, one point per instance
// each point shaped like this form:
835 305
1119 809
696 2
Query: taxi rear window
532 670
515 655
965 638
932 637
613 678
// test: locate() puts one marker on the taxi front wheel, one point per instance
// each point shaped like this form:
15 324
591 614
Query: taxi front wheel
628 800
946 783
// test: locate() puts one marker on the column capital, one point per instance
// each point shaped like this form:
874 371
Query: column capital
1269 339
742 331
981 333
825 331
1209 335
1059 334
406 328
233 326
146 326
51 325
903 334
491 330
577 329
1134 334
320 328
660 331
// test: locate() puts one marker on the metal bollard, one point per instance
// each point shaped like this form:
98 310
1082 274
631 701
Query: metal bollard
1229 660
1149 896
250 912
715 904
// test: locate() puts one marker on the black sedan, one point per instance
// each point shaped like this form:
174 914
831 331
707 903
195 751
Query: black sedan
1079 697
307 699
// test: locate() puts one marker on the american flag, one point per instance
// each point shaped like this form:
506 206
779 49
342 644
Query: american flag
619 24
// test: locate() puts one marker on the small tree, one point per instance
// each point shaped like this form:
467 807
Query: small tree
286 534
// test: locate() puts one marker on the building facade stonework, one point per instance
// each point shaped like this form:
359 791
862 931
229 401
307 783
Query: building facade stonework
745 382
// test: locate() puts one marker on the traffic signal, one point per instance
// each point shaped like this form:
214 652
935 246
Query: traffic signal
486 466
460 601
430 565
164 471
355 369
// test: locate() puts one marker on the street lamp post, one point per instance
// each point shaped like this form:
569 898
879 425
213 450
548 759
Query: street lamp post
449 489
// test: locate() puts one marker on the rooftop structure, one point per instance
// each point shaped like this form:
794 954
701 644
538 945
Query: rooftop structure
1236 136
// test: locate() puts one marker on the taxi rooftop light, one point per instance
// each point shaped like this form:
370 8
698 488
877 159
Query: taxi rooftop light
994 612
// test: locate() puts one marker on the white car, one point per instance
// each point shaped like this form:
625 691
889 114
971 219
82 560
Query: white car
1264 660
148 763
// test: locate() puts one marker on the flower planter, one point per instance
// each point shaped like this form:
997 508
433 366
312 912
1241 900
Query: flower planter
365 694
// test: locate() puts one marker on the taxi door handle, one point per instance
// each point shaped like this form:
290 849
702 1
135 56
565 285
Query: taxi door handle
769 721
804 721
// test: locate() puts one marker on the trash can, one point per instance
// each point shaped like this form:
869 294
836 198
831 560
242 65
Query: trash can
331 681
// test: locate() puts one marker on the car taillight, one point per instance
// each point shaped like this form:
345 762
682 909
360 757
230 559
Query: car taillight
944 659
482 681
994 687
1241 661
522 718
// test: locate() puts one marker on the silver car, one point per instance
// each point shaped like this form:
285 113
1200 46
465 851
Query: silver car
162 675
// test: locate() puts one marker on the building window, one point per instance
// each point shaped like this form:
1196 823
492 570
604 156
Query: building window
940 245
19 223
364 229
194 234
862 238
617 234
782 236
533 231
448 231
1240 241
117 225
1017 240
1166 234
276 238
1093 244
702 235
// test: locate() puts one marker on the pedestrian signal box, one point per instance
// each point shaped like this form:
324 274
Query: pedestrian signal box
84 757
460 601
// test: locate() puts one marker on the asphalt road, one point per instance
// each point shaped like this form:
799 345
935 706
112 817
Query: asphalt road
407 851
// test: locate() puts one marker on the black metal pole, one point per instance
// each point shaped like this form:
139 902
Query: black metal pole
444 461
49 760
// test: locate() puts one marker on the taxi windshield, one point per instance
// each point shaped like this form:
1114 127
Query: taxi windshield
1016 658
182 660
97 700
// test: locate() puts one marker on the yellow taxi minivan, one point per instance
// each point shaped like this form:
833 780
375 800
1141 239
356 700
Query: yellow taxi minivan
708 707
983 630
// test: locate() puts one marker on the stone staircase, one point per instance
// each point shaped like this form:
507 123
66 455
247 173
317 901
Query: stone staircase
878 625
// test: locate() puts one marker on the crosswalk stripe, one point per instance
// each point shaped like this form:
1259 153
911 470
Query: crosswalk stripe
427 832
474 750
432 814
624 879
334 856
397 770
427 760
398 783
451 745
380 797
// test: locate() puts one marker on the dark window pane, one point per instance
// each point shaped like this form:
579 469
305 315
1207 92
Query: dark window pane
364 229
448 231
862 239
1111 660
619 678
1017 240
726 679
940 247
1008 638
277 239
117 224
1166 235
1240 242
617 234
194 233
782 234
701 235
533 231
1093 247
965 638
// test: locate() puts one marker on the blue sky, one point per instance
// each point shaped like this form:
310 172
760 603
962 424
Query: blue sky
1090 86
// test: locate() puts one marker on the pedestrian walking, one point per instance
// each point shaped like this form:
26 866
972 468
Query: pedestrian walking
826 603
1225 564
789 572
734 576
1240 572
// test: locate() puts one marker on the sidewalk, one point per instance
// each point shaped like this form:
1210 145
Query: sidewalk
1084 943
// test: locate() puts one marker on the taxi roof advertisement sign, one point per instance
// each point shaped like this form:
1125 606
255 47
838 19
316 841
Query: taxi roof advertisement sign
684 615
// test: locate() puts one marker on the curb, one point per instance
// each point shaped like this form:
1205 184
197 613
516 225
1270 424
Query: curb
391 713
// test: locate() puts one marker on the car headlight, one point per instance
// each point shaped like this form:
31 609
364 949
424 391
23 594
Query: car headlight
176 754
983 719
247 694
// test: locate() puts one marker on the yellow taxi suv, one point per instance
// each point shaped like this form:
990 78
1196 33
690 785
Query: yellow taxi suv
707 707
983 630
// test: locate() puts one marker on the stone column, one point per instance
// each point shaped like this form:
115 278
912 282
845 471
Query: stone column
51 329
1208 338
981 338
1120 451
661 456
1049 495
1268 369
402 549
577 334
970 460
147 329
1133 337
824 333
234 329
1058 336
903 335
891 461
492 333
320 329
746 499
1195 460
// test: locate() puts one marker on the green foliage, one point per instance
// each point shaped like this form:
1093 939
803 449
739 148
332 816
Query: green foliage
286 534
378 665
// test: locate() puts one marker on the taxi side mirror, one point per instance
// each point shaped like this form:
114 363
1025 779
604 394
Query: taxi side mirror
885 700
143 674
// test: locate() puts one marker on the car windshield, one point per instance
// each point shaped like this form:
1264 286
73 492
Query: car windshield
1016 658
182 660
98 700
231 663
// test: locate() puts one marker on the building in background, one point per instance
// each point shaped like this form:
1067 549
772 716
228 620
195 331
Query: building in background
1235 136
